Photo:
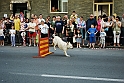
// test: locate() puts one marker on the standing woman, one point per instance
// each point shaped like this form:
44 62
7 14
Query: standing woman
117 31
99 27
70 32
17 23
1 35
109 32
48 23
82 27
52 26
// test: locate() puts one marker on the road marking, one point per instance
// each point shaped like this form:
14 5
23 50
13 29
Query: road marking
71 77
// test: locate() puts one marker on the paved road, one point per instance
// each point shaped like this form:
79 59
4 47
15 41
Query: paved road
84 66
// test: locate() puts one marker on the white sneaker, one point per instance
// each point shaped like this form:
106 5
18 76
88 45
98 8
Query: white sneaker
34 45
29 45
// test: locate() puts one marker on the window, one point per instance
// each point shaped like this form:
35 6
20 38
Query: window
59 6
98 1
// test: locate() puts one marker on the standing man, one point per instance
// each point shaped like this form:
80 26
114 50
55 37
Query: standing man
59 27
32 33
89 22
17 28
41 18
122 30
8 25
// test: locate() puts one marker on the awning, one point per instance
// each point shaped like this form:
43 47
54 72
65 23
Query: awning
20 1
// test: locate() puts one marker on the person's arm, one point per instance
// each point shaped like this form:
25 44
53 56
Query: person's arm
95 22
63 29
119 24
104 33
14 32
9 31
84 26
46 26
51 27
55 31
88 31
96 31
66 32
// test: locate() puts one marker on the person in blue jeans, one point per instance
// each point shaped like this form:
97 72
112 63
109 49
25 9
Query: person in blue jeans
92 36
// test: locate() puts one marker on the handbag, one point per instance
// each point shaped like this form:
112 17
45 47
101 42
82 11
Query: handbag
74 40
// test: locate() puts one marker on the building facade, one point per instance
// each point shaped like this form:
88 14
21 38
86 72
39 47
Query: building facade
61 7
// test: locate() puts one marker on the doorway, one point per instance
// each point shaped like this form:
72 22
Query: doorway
19 7
103 8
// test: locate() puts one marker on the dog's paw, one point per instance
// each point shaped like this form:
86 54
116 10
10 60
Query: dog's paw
68 55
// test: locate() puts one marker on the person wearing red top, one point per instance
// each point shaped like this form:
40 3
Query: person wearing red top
99 27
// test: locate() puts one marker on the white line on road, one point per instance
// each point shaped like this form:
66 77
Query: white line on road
71 77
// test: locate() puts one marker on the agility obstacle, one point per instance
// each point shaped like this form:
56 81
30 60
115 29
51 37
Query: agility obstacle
43 47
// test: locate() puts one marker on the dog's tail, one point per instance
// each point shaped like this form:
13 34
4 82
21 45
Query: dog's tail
53 35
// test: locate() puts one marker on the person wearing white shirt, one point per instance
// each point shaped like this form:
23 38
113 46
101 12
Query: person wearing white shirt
1 36
44 29
32 33
102 38
12 33
41 18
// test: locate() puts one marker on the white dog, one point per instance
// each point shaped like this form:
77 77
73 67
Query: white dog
61 44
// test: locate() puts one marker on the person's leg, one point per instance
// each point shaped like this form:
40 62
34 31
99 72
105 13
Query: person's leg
77 44
103 43
114 33
94 41
30 39
0 43
2 40
90 41
34 38
93 44
118 40
34 41
11 40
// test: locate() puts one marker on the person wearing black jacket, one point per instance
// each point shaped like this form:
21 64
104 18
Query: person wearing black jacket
89 22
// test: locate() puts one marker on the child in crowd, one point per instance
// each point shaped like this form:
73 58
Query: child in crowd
23 34
37 39
12 32
102 38
92 33
1 37
78 38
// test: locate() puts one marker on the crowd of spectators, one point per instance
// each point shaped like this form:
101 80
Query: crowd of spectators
106 31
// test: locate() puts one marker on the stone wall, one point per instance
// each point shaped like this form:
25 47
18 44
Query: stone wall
4 8
82 7
119 7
